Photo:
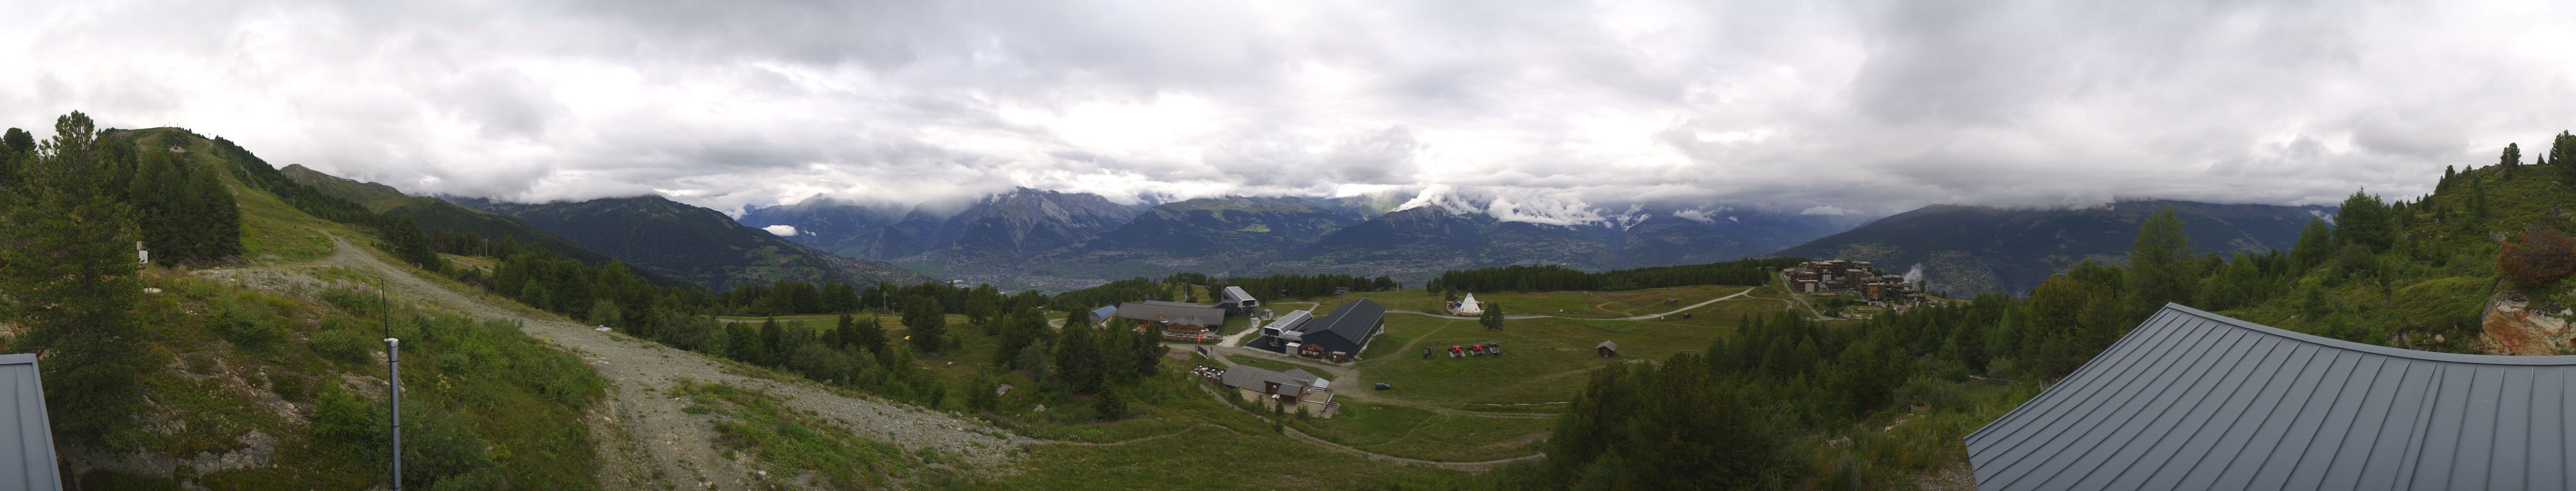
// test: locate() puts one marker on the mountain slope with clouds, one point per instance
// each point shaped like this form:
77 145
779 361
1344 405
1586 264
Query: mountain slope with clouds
1969 249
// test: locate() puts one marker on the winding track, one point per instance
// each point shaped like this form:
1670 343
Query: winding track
644 437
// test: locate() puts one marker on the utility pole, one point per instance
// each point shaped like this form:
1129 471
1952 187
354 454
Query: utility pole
393 387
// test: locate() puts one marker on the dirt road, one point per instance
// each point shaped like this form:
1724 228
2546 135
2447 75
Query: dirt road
646 441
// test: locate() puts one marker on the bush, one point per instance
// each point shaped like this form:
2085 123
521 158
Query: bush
248 323
1111 407
340 417
358 303
343 345
2541 256
1928 390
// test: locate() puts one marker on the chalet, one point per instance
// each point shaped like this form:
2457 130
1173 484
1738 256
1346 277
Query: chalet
1467 306
1180 321
1856 277
1237 303
1339 336
1606 349
1288 391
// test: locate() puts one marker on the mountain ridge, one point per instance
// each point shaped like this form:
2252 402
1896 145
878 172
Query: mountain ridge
1970 248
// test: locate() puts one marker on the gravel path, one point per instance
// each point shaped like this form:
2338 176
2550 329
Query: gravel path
644 437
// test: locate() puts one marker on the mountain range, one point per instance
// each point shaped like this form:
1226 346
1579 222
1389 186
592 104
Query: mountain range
1966 249
1052 240
688 242
667 241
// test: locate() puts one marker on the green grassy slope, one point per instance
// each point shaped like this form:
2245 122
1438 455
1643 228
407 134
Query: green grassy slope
274 380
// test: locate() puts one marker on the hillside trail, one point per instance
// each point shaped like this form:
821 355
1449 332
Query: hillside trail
1747 290
645 439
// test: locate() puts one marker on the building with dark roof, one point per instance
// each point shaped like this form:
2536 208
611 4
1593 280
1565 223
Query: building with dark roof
2194 400
1294 389
26 433
1179 321
1236 302
1339 336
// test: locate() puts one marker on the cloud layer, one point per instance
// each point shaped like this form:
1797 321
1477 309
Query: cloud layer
1560 108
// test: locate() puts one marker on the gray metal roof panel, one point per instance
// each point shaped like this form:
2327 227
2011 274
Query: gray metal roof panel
2194 400
27 439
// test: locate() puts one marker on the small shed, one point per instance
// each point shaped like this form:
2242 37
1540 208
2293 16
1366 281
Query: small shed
1606 349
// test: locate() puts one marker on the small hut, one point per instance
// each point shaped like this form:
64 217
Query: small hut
1606 349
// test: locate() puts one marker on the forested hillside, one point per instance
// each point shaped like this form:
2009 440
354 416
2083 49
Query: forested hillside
1971 249
696 244
1889 395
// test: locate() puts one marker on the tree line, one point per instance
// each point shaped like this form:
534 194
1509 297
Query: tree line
1528 278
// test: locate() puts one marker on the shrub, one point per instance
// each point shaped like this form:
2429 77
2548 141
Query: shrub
343 345
1111 407
248 323
364 304
341 418
1928 390
2541 256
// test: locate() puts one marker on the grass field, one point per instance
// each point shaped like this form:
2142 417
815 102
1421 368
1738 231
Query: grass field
274 230
1596 305
1544 364
1543 359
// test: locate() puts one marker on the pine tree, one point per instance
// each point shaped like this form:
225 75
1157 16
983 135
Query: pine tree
2512 156
2364 221
773 347
1493 316
927 323
67 265
154 194
870 335
2160 267
1077 359
18 141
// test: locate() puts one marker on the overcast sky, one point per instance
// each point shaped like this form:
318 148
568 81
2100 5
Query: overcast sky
1873 107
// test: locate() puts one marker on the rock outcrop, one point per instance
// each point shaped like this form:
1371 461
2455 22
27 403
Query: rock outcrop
2514 325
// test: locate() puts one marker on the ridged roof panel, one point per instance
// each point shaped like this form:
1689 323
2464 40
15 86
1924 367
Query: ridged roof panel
2194 400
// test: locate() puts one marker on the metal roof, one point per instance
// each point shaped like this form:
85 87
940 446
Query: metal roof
1347 329
2195 400
1236 293
1172 312
26 434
